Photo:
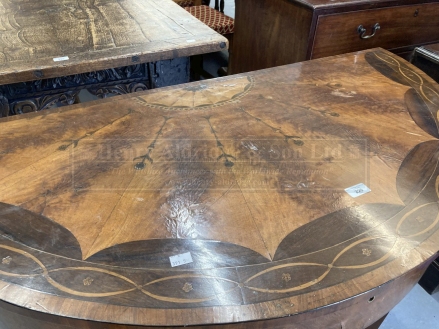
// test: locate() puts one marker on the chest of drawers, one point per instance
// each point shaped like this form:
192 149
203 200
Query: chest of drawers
276 32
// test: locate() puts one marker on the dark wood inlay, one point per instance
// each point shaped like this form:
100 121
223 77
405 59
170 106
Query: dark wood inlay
156 253
418 171
36 231
423 115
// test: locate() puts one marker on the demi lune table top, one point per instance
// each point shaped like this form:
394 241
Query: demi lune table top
37 36
246 173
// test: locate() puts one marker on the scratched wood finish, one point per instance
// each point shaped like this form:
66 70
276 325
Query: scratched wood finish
95 35
276 32
248 174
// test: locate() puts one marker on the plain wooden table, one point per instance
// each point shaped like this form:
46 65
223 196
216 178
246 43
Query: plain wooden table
244 180
50 48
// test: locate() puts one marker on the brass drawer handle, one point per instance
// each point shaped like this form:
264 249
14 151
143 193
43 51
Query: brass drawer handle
362 31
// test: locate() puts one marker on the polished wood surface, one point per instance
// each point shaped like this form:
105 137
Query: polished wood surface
269 33
246 173
95 35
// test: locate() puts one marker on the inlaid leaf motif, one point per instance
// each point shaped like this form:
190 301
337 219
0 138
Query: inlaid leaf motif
17 263
416 175
37 231
189 288
384 64
287 277
90 282
423 113
365 252
336 227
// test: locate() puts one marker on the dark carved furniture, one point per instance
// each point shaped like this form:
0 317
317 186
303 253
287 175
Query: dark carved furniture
49 50
275 32
427 59
31 96
224 203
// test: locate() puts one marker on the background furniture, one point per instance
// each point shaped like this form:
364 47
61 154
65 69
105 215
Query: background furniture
276 32
50 50
217 21
242 178
427 59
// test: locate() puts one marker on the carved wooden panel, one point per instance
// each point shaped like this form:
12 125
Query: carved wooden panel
32 96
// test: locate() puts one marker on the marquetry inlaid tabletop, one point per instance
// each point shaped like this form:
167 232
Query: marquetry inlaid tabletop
54 38
225 200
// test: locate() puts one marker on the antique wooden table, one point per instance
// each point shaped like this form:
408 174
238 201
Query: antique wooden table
224 202
50 49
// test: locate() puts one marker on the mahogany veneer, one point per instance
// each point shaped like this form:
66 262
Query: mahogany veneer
247 174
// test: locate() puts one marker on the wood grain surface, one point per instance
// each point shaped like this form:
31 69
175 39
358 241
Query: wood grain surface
246 173
95 35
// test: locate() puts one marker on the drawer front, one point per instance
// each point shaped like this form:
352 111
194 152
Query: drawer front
399 27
